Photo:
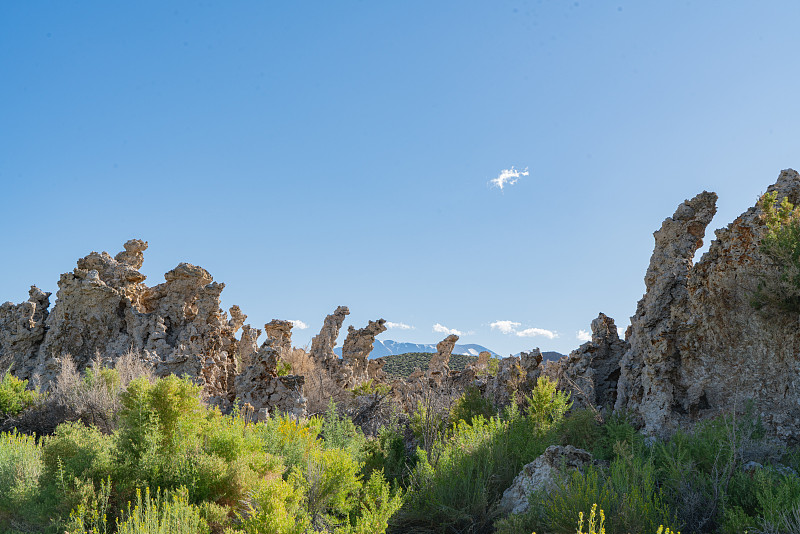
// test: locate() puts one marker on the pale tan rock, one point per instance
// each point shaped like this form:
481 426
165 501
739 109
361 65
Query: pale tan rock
359 344
697 346
323 343
543 474
22 331
439 366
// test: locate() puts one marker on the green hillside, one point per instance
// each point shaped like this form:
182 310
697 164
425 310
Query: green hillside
402 365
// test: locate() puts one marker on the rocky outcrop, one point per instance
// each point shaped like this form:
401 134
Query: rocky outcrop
697 346
261 388
543 474
323 343
439 366
590 373
22 330
358 345
103 308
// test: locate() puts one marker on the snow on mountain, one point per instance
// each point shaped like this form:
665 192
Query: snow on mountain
389 347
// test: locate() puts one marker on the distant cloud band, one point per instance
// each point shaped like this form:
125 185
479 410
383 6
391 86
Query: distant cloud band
510 327
399 326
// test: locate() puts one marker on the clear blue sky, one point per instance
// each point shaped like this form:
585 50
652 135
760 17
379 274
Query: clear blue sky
323 153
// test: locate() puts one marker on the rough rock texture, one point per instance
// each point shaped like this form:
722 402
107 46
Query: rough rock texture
104 309
358 345
260 387
543 474
590 372
22 330
483 361
697 346
514 374
439 365
323 343
280 332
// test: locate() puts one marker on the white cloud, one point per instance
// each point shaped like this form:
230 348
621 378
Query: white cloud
399 326
533 332
584 335
440 328
506 327
300 325
508 177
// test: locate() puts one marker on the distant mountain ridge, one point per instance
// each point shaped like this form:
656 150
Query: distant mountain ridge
389 347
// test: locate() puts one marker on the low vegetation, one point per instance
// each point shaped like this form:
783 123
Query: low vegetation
164 462
402 365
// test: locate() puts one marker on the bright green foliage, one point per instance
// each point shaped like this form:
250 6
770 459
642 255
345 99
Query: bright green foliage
595 523
91 515
283 368
77 459
475 465
378 504
276 509
290 439
163 512
341 433
780 246
547 405
14 395
471 404
20 469
330 481
370 388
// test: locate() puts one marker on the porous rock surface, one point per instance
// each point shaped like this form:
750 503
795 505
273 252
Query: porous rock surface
104 309
590 372
323 343
697 347
439 366
543 474
358 344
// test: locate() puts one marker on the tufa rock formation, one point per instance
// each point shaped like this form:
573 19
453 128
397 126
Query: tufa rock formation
697 347
590 373
439 365
104 308
358 345
323 343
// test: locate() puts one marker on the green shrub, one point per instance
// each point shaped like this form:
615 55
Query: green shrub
546 405
20 469
76 460
580 429
276 509
471 404
14 395
164 512
341 433
378 504
387 453
780 247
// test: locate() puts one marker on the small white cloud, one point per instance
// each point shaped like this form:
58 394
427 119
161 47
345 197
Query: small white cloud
506 327
533 332
399 326
300 325
508 177
584 335
441 329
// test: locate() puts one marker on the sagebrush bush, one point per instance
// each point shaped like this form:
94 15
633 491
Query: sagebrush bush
20 469
163 512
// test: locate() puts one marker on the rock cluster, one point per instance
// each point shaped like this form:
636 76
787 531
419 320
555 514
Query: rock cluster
104 309
358 345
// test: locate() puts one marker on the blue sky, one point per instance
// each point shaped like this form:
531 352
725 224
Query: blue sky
318 154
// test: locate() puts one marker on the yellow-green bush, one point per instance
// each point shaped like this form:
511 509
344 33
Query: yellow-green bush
14 395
